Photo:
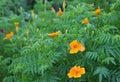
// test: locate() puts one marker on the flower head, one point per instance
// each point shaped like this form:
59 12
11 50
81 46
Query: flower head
60 12
97 11
76 46
85 21
8 36
16 24
76 72
53 34
53 9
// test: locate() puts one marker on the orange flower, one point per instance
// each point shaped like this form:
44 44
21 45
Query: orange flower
85 21
76 46
16 24
97 11
54 34
60 12
76 72
8 36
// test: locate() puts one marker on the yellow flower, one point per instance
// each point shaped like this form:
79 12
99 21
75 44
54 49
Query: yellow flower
97 11
53 9
60 12
76 46
76 72
53 34
8 36
85 21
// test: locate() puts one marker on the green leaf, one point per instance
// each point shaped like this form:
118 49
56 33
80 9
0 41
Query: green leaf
109 60
92 56
101 70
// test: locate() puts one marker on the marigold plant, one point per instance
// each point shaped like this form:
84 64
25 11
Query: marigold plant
32 55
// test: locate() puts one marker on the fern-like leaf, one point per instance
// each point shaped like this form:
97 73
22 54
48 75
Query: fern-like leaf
92 56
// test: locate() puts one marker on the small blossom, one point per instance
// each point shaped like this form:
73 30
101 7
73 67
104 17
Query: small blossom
8 36
16 25
97 11
76 72
60 12
53 9
76 46
85 21
53 34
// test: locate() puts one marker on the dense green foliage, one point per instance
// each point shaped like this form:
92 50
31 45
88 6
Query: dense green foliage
32 56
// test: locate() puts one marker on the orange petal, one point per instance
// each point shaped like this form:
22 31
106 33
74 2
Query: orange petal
97 11
60 12
72 51
54 34
70 75
77 76
16 24
73 43
82 70
81 47
85 21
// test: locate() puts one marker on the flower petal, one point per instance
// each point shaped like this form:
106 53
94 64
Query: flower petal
82 70
81 47
70 75
72 51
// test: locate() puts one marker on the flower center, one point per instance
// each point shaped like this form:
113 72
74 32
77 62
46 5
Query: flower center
75 46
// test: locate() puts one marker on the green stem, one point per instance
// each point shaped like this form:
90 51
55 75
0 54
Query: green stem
45 6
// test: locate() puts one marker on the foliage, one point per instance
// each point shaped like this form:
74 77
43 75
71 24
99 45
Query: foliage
33 56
